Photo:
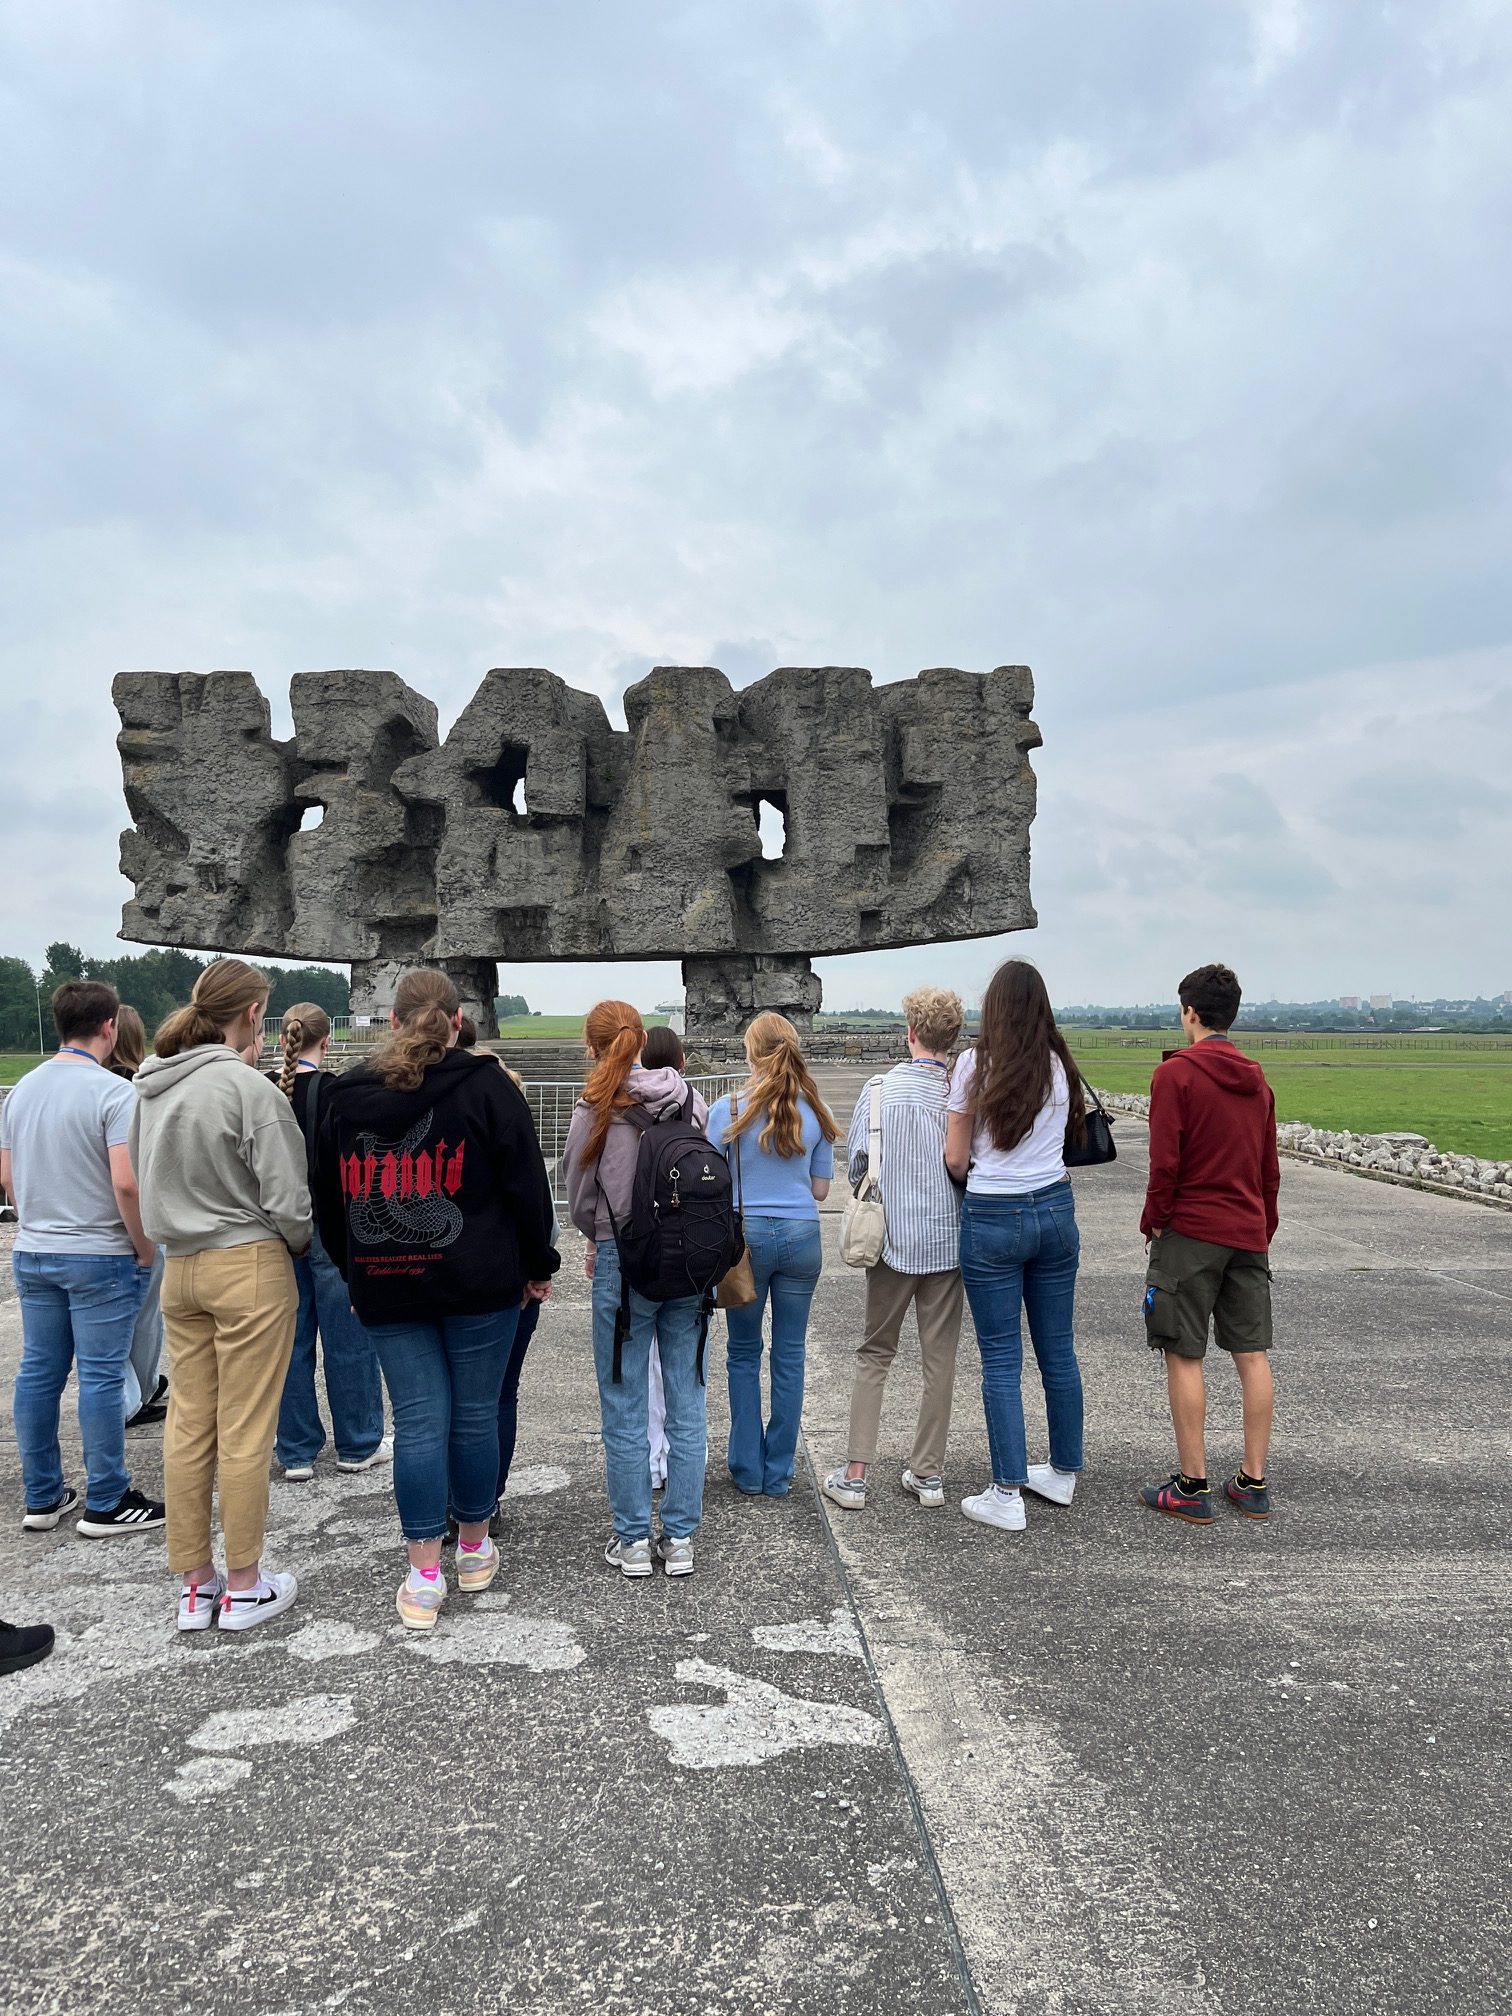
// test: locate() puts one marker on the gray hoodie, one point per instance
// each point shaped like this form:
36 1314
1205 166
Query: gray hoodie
660 1091
218 1154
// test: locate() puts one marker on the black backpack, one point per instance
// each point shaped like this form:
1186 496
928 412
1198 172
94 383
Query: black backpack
682 1235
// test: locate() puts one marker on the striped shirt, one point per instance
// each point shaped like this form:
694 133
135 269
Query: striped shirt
921 1204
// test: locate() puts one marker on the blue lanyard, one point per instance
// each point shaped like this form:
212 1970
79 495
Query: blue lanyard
73 1050
938 1062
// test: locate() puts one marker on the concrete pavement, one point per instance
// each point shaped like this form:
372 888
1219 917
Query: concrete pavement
1112 1764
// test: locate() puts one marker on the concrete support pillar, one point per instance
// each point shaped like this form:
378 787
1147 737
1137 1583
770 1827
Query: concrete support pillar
727 993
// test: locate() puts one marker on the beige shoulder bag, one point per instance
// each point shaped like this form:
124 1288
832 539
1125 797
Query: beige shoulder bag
863 1228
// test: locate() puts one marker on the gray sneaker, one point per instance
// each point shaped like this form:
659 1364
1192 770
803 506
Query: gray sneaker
928 1490
847 1491
631 1557
676 1556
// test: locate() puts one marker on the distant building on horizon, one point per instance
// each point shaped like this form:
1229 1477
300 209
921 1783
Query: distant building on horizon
1349 1001
1380 1001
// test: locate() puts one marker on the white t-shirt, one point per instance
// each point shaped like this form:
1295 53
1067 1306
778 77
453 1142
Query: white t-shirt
1035 1162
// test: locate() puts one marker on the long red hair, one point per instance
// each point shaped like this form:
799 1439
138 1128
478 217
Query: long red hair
616 1035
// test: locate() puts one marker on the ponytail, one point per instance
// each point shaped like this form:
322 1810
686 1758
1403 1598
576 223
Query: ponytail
424 1003
227 988
304 1026
616 1035
779 1079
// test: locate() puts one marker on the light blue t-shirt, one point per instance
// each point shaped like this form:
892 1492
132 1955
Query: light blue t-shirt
771 1185
60 1125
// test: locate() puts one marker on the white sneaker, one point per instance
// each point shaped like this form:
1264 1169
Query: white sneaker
241 1609
676 1556
849 1492
197 1601
1045 1481
928 1490
298 1473
996 1507
384 1453
631 1557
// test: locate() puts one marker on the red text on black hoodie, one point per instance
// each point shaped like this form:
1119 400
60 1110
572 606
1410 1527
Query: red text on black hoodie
1214 1171
434 1202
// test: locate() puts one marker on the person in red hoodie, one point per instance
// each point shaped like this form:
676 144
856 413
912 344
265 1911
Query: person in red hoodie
1210 1215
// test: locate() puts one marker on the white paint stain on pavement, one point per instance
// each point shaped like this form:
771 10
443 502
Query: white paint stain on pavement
203 1777
536 1480
489 1633
756 1723
327 1639
838 1636
312 1718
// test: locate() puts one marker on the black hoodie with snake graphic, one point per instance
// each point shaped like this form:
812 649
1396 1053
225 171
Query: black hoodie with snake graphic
434 1202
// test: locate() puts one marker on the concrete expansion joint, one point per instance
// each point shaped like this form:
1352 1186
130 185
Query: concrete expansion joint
931 1861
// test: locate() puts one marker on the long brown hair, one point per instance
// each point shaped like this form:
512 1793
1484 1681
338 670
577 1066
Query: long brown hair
779 1078
424 1003
304 1025
616 1035
1014 1072
226 989
130 1044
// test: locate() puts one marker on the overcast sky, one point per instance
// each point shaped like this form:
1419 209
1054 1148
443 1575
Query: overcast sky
1162 346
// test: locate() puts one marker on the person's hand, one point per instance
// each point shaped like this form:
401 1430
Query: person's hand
536 1291
589 1259
147 1260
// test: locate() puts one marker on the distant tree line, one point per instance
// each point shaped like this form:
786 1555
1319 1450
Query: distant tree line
155 983
512 1004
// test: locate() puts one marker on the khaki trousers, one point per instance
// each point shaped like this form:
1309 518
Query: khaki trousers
229 1318
937 1303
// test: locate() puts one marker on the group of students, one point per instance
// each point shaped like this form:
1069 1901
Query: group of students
403 1210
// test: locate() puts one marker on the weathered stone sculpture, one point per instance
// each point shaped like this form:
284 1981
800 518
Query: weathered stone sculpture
538 831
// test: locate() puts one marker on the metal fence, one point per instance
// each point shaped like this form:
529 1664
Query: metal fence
551 1103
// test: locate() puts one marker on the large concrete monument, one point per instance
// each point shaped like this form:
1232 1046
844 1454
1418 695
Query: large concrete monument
537 831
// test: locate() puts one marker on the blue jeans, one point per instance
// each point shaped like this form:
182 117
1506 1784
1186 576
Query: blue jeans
509 1393
786 1255
354 1385
75 1308
1021 1253
146 1357
444 1380
622 1408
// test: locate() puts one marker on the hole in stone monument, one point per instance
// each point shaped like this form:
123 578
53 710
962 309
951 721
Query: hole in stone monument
503 785
771 824
311 818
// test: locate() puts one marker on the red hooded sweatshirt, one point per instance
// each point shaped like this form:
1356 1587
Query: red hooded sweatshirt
1214 1171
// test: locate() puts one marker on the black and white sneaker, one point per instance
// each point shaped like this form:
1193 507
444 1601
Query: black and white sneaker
135 1514
43 1518
242 1609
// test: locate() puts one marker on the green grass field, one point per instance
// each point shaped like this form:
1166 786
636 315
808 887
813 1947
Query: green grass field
556 1028
1459 1096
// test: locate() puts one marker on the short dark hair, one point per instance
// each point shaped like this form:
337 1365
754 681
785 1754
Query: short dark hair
83 1007
467 1034
1212 993
663 1047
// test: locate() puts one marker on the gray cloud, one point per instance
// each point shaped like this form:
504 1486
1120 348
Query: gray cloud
1159 347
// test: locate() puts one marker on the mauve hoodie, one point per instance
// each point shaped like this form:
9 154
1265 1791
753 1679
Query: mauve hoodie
661 1092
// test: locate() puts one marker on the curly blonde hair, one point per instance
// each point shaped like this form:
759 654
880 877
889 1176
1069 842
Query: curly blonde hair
935 1015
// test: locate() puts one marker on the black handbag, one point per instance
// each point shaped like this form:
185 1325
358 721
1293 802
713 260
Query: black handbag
1099 1145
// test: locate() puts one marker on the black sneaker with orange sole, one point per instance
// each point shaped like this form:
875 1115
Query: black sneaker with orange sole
1196 1507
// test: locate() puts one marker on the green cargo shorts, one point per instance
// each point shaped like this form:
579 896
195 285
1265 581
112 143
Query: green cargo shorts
1190 1283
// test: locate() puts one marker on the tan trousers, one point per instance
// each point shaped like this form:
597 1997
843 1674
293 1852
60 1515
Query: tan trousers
229 1317
937 1302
